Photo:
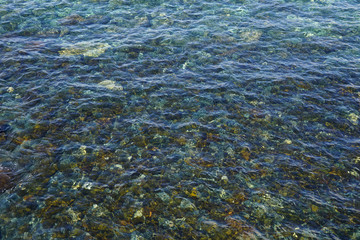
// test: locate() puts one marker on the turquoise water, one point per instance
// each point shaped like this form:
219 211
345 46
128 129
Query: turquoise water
192 119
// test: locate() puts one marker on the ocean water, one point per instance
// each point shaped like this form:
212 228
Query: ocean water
180 119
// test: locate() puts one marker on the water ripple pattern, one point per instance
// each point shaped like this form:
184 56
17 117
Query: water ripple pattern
180 119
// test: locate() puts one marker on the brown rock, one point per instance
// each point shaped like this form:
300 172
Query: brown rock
5 179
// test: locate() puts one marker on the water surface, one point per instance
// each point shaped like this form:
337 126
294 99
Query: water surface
192 119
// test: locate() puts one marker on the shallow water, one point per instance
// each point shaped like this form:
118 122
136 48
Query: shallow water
134 119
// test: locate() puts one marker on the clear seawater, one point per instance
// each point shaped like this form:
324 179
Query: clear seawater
180 119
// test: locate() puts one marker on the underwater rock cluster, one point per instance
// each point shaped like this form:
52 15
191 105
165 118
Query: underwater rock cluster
137 119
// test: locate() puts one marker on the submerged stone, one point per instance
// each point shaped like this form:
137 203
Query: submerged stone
5 179
10 89
251 35
86 48
187 204
163 196
353 118
111 85
71 20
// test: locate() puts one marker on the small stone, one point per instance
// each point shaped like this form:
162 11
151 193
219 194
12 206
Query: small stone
169 223
353 118
163 196
314 208
224 179
87 185
82 150
223 193
186 204
138 213
75 216
111 85
230 151
118 166
194 193
75 186
89 49
10 89
288 141
209 225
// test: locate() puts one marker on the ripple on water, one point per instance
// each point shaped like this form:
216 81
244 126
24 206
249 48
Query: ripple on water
179 119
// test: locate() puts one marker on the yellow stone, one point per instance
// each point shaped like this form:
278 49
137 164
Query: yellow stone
82 150
353 118
314 208
111 85
89 49
138 213
194 192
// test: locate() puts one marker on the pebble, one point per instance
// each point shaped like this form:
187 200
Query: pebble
163 196
138 213
82 149
111 85
224 178
186 204
88 49
87 185
353 118
170 223
5 179
118 166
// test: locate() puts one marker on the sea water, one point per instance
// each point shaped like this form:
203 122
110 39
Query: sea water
180 119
